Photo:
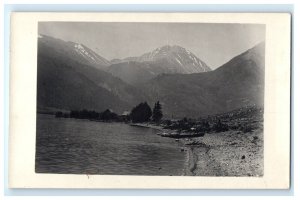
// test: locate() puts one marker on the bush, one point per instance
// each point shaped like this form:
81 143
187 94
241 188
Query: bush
66 115
108 115
246 129
167 122
205 126
59 114
220 127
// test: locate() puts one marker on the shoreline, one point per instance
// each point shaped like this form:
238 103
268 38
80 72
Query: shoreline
226 154
143 125
229 153
190 163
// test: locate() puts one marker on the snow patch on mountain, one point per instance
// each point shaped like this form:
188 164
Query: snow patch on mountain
167 59
184 60
178 61
90 55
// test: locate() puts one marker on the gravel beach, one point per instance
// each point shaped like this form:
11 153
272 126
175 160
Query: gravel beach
230 153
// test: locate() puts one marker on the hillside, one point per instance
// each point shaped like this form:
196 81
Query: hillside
68 80
65 83
78 52
237 83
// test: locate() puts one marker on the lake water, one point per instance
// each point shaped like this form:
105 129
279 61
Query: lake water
73 146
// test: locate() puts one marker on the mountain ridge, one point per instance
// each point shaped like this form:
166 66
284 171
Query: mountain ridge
77 51
66 81
107 90
166 51
237 83
163 60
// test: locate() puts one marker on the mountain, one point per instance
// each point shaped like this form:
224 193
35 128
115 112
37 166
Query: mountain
181 61
133 73
163 60
66 82
77 52
237 83
69 80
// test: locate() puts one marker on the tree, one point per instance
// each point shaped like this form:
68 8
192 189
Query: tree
58 114
157 113
108 115
141 113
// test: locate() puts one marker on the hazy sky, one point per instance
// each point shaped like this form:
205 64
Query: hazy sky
215 44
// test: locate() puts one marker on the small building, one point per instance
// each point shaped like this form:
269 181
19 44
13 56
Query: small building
125 116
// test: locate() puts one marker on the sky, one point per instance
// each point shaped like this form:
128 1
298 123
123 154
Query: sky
215 44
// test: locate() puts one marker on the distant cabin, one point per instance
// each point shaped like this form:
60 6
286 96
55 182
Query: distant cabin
125 116
125 113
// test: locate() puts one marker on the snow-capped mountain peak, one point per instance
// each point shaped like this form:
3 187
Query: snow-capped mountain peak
181 59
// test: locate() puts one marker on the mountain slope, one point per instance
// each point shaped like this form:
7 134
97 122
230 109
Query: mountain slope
132 72
77 52
65 83
61 87
166 59
237 83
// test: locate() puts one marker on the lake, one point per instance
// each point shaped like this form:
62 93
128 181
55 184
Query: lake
74 146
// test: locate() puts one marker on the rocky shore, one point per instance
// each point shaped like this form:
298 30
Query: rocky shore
230 153
225 154
237 151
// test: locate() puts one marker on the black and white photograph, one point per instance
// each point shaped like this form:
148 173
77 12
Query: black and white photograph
150 99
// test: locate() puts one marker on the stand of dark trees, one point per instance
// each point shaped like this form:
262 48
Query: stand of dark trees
140 113
106 115
157 112
143 113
